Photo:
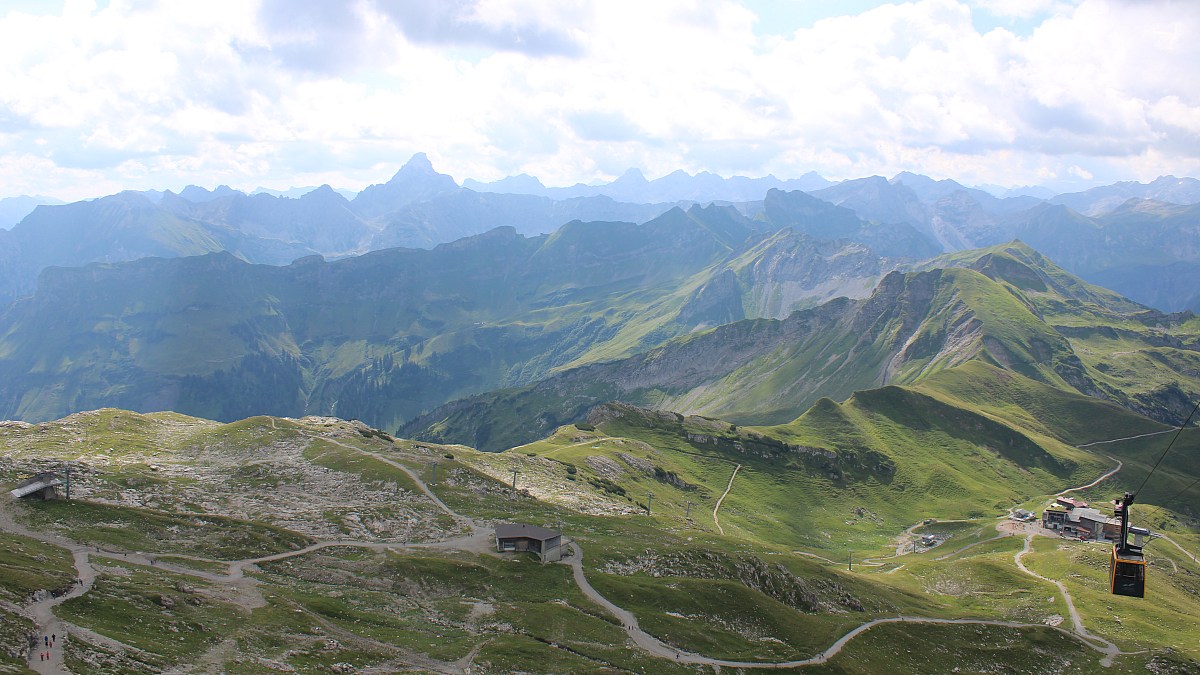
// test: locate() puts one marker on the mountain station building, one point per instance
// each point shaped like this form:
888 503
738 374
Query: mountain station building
511 537
1075 518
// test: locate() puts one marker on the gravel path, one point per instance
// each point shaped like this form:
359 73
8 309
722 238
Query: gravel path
1105 476
42 611
729 487
1101 645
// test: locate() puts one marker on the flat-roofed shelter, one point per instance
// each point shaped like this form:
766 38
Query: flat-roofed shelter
520 537
44 486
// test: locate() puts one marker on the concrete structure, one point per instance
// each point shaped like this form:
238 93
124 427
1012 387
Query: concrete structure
42 486
520 537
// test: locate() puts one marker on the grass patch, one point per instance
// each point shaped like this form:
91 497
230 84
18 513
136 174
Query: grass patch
173 617
132 529
28 565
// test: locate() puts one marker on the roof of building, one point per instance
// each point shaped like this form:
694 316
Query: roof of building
1071 502
32 485
1092 515
515 530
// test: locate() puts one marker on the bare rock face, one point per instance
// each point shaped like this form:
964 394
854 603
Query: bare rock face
643 465
604 466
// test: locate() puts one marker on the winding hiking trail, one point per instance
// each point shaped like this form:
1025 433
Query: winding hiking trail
657 647
716 520
1101 478
1110 650
42 611
477 539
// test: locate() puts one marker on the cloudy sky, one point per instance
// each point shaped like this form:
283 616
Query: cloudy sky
96 97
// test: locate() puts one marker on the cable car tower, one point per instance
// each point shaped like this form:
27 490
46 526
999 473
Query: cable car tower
1127 572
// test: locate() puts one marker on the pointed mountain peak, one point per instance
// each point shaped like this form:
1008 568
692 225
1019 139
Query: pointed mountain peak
325 193
633 175
417 165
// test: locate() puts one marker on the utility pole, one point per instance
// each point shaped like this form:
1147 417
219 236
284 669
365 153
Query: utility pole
434 473
689 511
68 481
649 501
515 479
851 561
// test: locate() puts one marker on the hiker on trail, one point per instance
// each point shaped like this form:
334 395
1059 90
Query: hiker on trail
46 640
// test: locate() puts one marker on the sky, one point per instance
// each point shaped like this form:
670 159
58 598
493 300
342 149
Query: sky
97 97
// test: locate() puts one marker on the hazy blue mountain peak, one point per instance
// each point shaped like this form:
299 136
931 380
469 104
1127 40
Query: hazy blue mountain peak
13 209
633 175
197 194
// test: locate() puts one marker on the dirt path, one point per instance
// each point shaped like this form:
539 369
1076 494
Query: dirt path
717 520
658 648
42 611
1182 549
411 474
905 539
1101 478
1101 645
1128 438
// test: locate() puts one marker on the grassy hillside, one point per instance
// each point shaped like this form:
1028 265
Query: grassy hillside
397 585
1006 307
840 478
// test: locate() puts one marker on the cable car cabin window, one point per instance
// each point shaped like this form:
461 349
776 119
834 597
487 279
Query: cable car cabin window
1128 576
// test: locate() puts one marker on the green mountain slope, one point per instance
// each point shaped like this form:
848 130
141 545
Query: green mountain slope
388 335
1006 306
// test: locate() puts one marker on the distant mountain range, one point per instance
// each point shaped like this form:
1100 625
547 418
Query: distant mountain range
387 335
1148 252
678 186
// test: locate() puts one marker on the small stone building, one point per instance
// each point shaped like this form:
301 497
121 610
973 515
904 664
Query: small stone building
520 537
42 486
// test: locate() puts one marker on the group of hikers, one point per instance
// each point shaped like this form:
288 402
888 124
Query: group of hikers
47 642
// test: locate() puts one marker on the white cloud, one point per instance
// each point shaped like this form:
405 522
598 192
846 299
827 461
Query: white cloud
161 94
1022 9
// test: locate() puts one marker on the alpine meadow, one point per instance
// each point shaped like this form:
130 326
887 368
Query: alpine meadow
767 337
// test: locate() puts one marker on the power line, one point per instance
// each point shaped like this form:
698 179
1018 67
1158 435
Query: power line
1164 454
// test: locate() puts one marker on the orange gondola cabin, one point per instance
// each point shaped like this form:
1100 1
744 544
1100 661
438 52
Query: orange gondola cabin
1127 571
